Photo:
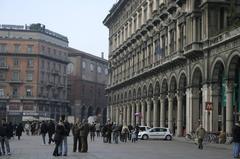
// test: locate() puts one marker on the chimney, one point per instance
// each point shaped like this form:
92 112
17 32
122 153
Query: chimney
102 56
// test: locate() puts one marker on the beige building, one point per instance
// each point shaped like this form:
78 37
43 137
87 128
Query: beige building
174 63
33 80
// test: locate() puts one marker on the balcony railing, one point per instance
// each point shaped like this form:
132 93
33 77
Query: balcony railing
193 48
3 66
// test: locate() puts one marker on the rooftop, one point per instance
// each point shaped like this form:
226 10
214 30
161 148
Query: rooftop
34 28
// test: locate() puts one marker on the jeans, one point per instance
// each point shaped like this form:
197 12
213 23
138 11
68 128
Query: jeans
63 148
5 141
115 137
43 137
77 143
236 149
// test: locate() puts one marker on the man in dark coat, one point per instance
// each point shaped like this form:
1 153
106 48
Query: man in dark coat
76 136
84 130
43 131
67 127
236 140
58 137
19 130
51 131
4 137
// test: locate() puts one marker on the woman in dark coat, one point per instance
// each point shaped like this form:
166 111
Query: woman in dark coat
58 137
19 130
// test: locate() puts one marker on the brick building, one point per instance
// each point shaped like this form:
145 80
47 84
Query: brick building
87 79
33 82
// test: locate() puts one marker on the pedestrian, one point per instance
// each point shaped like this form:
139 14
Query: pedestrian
43 131
137 131
200 132
27 127
236 140
134 136
51 131
116 134
109 132
67 127
76 136
5 134
19 131
58 137
84 130
222 137
125 132
130 128
98 129
92 130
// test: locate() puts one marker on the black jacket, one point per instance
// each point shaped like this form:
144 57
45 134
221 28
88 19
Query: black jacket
51 128
44 128
3 130
236 134
59 133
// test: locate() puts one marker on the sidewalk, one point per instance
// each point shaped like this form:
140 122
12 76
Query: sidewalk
217 146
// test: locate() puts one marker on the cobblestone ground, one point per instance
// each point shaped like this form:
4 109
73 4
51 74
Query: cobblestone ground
30 147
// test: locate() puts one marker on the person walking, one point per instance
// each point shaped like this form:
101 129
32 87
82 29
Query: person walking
125 132
19 131
98 129
27 128
76 136
58 137
109 133
67 127
51 131
84 130
116 133
236 140
200 132
92 130
43 131
4 137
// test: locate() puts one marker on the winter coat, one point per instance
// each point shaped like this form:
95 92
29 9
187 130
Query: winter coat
3 131
60 132
43 128
51 128
75 129
236 134
84 129
200 133
67 128
19 130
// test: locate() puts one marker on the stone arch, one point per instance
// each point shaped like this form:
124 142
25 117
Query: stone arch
182 81
139 93
129 94
217 68
164 87
197 76
150 90
144 94
233 62
134 94
173 84
157 88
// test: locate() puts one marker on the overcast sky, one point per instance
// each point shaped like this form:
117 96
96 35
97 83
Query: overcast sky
79 20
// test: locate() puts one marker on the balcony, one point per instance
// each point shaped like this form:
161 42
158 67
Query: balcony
3 67
195 49
172 7
180 2
15 81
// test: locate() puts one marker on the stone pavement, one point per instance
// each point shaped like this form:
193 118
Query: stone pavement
30 147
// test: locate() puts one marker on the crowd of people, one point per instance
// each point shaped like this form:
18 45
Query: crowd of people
110 132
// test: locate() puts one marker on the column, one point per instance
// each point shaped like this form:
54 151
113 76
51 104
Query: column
149 112
137 21
128 114
132 25
108 112
179 114
162 112
170 111
129 29
121 115
117 115
124 115
138 111
155 112
142 16
189 110
155 5
111 113
229 108
149 12
142 112
133 121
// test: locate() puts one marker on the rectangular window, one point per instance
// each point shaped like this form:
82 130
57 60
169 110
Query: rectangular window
49 50
2 61
2 75
30 49
30 62
84 64
42 76
1 92
42 64
15 92
3 47
15 76
43 49
91 67
29 76
28 92
17 48
16 62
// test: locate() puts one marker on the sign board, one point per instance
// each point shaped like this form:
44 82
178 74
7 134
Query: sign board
209 106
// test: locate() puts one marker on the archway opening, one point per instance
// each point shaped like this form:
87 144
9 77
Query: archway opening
182 91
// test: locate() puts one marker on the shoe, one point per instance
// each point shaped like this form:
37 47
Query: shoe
64 154
9 154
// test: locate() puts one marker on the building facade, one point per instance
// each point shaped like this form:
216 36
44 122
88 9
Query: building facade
87 79
174 63
33 81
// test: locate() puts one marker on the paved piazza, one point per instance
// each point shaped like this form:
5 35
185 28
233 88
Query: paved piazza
30 148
